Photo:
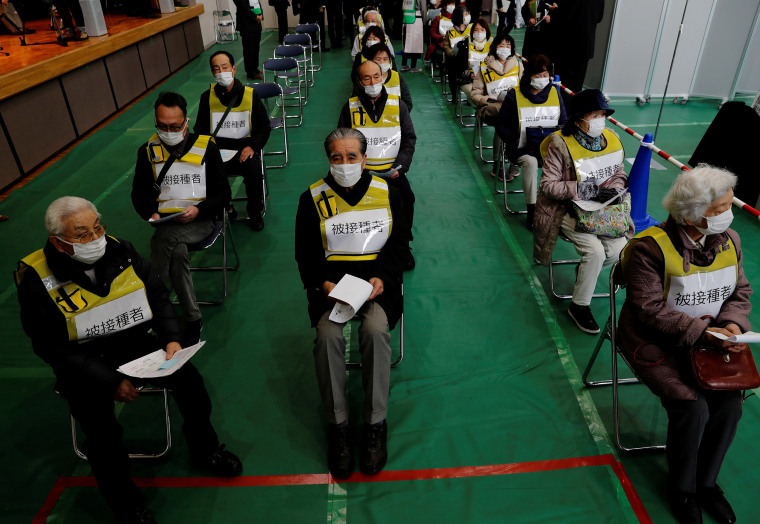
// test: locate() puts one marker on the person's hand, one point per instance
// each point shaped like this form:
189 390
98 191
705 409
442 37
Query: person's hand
532 22
188 216
708 340
246 153
327 286
125 392
259 18
605 194
553 6
377 287
395 174
587 190
171 349
547 19
155 216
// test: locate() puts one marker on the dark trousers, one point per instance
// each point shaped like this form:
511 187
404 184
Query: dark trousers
250 170
71 14
92 404
699 434
571 74
282 21
407 196
251 43
506 22
335 21
311 15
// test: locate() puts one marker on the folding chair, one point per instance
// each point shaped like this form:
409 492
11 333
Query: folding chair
224 25
353 365
304 40
610 333
299 54
264 188
167 423
459 110
479 125
313 29
287 68
274 90
221 229
506 192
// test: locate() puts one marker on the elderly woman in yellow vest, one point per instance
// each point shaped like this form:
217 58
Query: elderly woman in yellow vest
529 113
394 83
496 74
685 285
370 17
583 164
477 51
374 34
455 45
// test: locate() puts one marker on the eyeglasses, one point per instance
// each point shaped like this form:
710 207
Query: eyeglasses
97 232
174 128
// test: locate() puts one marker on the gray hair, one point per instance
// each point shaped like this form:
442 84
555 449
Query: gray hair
62 208
693 192
371 11
346 133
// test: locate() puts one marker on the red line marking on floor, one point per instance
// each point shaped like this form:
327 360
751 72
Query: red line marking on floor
385 476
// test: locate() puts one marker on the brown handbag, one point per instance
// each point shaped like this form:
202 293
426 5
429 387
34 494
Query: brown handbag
723 370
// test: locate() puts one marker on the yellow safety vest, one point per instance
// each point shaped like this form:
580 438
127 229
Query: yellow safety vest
88 315
393 83
701 291
362 27
383 136
361 48
455 36
475 57
596 166
496 83
353 232
185 183
238 122
444 24
536 115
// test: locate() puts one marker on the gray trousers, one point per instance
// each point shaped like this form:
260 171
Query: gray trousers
330 362
169 257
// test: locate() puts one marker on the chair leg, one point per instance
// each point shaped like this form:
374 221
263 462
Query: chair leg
506 191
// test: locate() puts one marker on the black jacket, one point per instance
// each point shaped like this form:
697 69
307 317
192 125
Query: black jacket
46 326
315 270
259 120
246 18
374 110
218 192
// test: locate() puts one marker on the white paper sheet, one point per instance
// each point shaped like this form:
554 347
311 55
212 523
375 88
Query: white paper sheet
745 338
590 205
155 365
351 293
164 219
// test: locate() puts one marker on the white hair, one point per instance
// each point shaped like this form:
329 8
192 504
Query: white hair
62 208
371 11
756 104
694 190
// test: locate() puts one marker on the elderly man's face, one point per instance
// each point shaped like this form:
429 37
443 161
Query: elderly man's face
346 151
170 119
371 18
221 64
79 228
370 73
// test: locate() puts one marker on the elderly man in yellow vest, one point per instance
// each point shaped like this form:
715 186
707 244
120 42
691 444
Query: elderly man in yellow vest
90 303
237 119
180 185
384 120
352 223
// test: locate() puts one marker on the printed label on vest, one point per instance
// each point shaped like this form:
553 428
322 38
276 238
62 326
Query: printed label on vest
184 181
116 315
444 24
357 232
234 126
600 168
541 116
455 40
494 87
702 294
383 143
475 59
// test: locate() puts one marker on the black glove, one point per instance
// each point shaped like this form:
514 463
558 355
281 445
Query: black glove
605 194
587 190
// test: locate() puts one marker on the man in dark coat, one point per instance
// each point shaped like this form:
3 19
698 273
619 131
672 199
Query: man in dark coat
574 25
249 25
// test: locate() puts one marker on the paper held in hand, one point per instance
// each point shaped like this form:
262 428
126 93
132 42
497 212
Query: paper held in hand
351 293
745 338
155 365
591 205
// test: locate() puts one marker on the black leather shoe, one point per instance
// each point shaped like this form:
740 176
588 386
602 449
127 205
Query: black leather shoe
340 451
221 463
374 453
232 213
716 505
256 223
685 507
138 515
583 318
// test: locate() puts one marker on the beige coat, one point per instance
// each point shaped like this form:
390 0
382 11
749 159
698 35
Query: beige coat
479 95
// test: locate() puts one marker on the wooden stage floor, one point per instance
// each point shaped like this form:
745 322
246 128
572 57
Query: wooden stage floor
28 66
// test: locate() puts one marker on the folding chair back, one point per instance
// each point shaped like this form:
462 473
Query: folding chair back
274 90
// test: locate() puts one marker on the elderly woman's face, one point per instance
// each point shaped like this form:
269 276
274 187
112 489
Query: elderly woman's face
718 206
583 123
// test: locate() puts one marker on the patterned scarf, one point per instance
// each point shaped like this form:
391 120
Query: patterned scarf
590 143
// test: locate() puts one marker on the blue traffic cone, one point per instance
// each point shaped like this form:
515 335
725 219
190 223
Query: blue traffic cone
638 186
557 84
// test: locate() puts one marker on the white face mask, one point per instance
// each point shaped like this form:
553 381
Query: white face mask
370 43
718 223
433 2
467 19
449 9
225 78
346 175
88 253
385 67
373 90
172 139
370 24
539 83
595 126
479 36
503 53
